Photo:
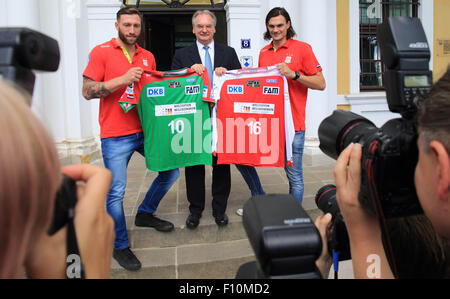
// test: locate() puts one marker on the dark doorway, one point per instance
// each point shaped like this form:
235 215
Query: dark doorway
166 32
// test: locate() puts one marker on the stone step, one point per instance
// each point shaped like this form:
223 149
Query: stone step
219 260
206 232
209 252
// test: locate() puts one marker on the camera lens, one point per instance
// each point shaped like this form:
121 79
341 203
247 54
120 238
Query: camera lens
326 199
340 129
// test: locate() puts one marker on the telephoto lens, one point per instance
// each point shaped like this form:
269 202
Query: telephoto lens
338 242
340 129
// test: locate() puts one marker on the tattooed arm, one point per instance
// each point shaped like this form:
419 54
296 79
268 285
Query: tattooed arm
94 90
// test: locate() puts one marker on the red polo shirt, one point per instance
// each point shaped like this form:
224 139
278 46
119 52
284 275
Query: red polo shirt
300 57
106 62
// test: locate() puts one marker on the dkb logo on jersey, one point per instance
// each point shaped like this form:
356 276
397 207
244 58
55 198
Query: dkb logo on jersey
155 92
235 89
191 90
271 90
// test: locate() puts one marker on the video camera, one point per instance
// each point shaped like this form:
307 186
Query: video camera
389 153
23 50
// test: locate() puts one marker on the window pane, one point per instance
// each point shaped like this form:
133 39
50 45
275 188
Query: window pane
372 13
369 13
401 8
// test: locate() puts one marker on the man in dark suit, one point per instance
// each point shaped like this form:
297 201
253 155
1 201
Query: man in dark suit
205 54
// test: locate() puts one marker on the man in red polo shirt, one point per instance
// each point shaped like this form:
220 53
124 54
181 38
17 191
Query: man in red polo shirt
113 67
296 61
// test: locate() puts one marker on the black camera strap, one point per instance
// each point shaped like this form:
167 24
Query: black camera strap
369 163
75 268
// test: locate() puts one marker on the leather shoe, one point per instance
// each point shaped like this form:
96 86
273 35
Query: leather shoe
127 259
148 220
221 220
193 220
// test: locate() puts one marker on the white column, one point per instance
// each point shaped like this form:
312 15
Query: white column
25 14
244 20
64 107
101 16
315 24
426 14
355 67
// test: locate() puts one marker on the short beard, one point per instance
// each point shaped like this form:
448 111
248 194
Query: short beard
124 39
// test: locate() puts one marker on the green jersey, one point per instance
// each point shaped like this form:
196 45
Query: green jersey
174 111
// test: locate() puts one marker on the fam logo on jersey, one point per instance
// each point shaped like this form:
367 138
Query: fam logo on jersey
155 92
271 90
246 109
192 90
235 89
253 83
168 111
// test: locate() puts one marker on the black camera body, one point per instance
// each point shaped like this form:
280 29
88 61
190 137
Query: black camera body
390 153
23 50
284 238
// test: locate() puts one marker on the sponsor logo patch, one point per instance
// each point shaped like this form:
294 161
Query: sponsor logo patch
271 81
254 108
191 90
271 90
155 92
174 84
253 83
235 89
175 109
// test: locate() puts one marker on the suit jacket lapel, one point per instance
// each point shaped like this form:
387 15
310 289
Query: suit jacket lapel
195 54
219 55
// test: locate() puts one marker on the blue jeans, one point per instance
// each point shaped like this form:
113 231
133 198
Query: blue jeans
252 179
295 173
117 152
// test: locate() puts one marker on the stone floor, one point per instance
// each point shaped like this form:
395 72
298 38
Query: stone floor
191 254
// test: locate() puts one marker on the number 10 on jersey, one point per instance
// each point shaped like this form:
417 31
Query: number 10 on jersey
176 126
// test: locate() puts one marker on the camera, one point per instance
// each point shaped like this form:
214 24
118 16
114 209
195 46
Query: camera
285 242
389 153
338 242
284 238
23 50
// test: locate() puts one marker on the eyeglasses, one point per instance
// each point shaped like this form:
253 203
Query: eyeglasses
202 27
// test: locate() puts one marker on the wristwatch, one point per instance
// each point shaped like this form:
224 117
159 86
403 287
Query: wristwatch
297 75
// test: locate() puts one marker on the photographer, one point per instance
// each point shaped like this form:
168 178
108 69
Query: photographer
432 181
29 180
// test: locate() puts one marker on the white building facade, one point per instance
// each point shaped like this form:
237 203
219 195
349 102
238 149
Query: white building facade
331 27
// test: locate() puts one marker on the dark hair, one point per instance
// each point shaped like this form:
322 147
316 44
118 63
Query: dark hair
434 120
275 12
128 11
418 250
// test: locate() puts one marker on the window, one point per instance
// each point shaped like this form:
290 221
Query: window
372 13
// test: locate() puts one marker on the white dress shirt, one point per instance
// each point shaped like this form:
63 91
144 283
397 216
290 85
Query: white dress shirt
202 52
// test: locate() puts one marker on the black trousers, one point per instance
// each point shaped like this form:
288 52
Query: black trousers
195 188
